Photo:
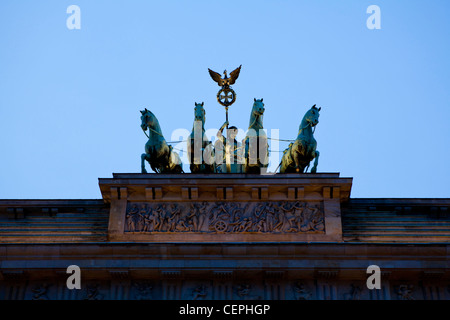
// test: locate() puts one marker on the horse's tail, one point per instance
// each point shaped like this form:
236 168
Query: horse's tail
279 165
175 164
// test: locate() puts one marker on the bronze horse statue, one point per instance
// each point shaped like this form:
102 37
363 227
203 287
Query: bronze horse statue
199 149
300 153
256 148
158 153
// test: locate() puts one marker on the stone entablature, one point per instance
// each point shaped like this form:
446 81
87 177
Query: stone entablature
225 237
238 271
225 207
53 221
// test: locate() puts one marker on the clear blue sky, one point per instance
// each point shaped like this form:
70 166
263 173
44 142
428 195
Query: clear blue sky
70 99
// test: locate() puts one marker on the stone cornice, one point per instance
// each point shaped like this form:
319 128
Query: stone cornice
247 187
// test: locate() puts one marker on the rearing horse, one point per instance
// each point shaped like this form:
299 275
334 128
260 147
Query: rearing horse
199 148
300 153
256 148
157 152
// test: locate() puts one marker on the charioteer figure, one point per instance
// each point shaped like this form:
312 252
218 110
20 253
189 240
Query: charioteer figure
228 150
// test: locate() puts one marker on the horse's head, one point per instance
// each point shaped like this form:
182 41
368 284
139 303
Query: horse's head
199 112
258 107
147 119
312 116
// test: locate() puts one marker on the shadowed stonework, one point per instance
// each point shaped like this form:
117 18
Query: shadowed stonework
225 236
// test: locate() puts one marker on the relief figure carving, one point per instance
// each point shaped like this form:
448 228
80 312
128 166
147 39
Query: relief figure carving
225 217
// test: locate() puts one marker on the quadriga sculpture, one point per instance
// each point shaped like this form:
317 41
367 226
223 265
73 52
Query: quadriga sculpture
256 148
158 153
200 150
300 153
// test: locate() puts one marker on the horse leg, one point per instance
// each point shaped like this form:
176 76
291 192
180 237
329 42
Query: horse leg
282 165
296 157
164 159
144 157
316 162
246 155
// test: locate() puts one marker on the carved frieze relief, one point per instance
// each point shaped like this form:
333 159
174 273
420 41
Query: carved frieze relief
225 217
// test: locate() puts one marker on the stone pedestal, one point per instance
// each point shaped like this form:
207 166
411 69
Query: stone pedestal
225 207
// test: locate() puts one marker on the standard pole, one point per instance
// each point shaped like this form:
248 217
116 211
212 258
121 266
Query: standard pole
227 156
226 111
